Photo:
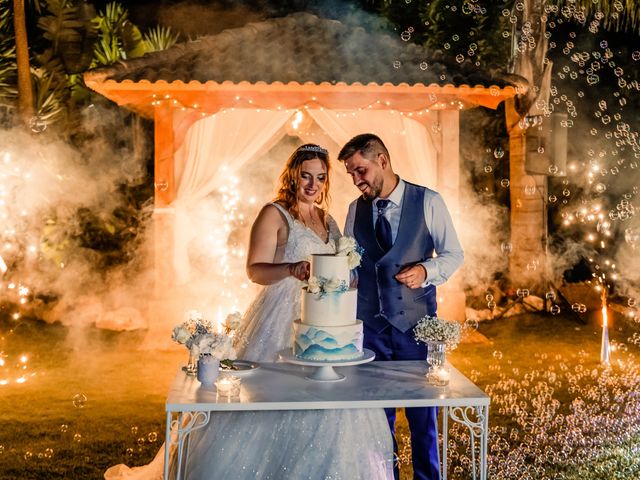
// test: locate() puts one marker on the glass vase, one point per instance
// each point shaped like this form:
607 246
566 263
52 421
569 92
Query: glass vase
191 368
437 371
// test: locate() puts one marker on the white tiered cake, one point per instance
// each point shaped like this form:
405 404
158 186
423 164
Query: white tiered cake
328 329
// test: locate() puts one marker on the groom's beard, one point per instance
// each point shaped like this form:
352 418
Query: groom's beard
374 189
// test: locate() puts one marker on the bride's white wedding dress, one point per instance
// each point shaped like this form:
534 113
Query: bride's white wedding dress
348 444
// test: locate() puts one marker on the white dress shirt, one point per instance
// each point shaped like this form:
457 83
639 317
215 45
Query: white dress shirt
438 221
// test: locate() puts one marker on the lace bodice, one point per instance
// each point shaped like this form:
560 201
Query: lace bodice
303 241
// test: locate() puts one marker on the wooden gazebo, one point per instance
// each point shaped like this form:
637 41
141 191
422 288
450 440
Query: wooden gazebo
304 65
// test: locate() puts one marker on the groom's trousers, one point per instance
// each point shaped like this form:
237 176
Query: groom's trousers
392 344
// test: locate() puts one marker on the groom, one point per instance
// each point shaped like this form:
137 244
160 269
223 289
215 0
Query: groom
400 226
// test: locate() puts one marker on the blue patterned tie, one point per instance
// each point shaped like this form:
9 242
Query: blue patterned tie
383 228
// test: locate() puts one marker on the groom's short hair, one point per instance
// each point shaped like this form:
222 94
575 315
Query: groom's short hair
366 144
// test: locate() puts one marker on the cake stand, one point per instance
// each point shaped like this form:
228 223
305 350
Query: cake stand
325 371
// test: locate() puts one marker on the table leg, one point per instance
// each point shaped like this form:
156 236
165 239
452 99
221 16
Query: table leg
445 441
476 419
186 423
167 445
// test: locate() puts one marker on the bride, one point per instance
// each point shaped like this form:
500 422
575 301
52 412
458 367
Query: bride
291 444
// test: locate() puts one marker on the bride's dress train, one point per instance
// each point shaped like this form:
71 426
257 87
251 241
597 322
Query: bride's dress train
347 444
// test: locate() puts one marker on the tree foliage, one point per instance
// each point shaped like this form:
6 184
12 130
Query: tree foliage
8 69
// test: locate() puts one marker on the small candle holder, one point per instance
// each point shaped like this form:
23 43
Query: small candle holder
228 386
438 375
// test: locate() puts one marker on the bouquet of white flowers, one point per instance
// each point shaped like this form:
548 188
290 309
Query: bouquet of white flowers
194 325
232 323
218 345
347 246
434 329
200 337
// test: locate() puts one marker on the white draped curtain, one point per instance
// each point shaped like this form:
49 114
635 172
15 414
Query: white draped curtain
214 147
412 149
219 145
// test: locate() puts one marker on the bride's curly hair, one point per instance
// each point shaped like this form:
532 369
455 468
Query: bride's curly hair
287 194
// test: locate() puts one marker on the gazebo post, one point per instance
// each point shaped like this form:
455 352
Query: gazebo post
451 297
164 183
161 314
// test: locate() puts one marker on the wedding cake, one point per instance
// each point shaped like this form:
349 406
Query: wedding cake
327 328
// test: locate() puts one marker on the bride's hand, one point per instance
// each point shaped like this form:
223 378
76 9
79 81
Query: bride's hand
300 270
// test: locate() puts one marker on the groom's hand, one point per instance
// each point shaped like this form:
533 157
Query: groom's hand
413 276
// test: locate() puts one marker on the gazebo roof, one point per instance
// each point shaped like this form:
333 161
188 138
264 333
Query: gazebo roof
300 60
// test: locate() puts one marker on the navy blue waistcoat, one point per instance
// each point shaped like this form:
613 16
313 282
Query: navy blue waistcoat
382 300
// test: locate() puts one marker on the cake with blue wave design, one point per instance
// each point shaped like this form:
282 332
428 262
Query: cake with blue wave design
327 328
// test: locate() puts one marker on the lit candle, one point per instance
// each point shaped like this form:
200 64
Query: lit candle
438 376
228 386
442 375
604 347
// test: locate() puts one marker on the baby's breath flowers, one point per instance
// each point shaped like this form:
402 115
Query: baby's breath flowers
434 329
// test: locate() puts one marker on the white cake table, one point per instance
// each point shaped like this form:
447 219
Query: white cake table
283 386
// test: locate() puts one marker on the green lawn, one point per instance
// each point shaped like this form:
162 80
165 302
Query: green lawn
556 413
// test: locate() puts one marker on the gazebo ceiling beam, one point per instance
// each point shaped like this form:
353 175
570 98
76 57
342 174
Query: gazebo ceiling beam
211 97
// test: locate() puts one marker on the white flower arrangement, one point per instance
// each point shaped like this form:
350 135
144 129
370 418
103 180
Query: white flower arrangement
194 325
218 345
434 329
321 286
232 323
200 337
347 246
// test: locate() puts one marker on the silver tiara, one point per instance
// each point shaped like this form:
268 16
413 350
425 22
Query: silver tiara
313 148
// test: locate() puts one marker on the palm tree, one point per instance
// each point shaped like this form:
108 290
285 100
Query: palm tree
25 90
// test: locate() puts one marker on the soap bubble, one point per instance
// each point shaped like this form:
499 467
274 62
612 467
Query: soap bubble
506 247
152 437
498 152
48 452
631 236
504 183
555 309
64 427
77 437
471 324
134 430
79 400
600 187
